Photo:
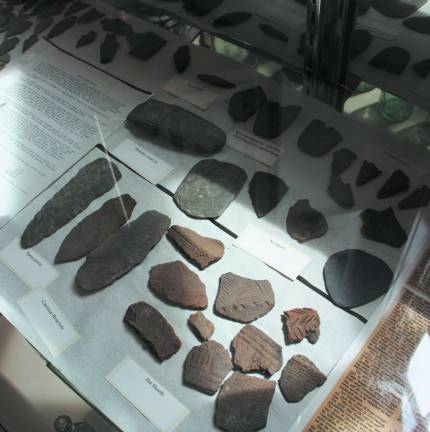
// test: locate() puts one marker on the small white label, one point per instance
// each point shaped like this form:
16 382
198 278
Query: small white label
195 93
147 395
48 320
142 161
276 254
28 265
256 148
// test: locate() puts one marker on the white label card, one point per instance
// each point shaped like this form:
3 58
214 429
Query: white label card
259 149
147 395
276 254
142 161
49 321
28 265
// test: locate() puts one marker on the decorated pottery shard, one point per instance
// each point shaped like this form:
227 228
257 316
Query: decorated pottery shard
396 184
397 8
92 181
182 58
108 48
175 283
342 160
183 129
246 103
383 227
216 81
300 324
317 139
76 7
122 251
203 251
354 278
361 40
96 228
341 192
41 26
86 39
422 68
28 43
201 7
368 172
243 300
201 326
209 188
393 59
231 19
266 192
17 26
8 45
90 15
145 45
117 26
206 366
154 329
243 403
299 377
254 351
273 32
419 198
62 27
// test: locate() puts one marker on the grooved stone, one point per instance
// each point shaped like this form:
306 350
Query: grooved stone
4 60
62 26
231 19
201 326
300 324
201 7
342 160
182 58
216 81
16 27
317 139
86 39
396 184
397 8
245 103
393 59
341 192
145 45
368 172
90 15
419 198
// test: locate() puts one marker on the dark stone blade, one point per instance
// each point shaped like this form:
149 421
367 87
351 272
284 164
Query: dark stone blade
201 326
121 252
245 103
90 15
232 19
422 68
108 48
76 7
41 26
16 27
300 324
8 45
182 58
62 27
368 172
397 8
95 228
201 7
28 43
91 182
342 160
317 139
396 184
420 197
117 26
393 59
145 45
341 193
361 40
216 81
273 32
86 39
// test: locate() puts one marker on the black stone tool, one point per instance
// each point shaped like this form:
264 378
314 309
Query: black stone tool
182 58
393 59
361 40
29 42
41 26
62 27
342 160
368 172
216 81
317 139
422 68
108 48
418 24
90 15
341 192
201 7
16 27
145 45
420 197
273 32
245 103
86 39
232 19
117 26
396 184
8 45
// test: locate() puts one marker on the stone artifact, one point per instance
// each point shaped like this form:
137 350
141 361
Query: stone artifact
4 20
383 227
201 326
418 24
216 81
422 68
4 60
108 48
182 58
397 8
243 300
299 377
361 40
300 324
76 7
342 160
86 39
209 188
117 26
145 45
419 198
396 184
245 103
28 43
154 329
201 7
273 32
317 139
175 283
16 27
206 366
254 351
393 59
354 278
52 11
90 15
8 45
202 251
122 251
273 120
62 26
231 19
341 192
91 182
304 223
243 403
368 172
183 129
95 228
266 192
41 26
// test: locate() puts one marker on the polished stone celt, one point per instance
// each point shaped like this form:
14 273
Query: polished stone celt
90 15
86 39
341 192
420 197
245 103
76 7
145 45
216 81
201 326
342 160
232 19
361 40
396 184
397 8
62 26
300 324
368 172
108 48
201 7
182 58
318 139
393 59
273 32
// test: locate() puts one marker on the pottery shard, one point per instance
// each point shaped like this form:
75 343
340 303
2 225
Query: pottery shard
202 251
245 103
154 329
242 299
266 192
90 15
108 48
361 40
254 351
368 172
86 39
342 160
393 59
201 7
273 32
397 8
206 366
317 139
300 324
177 284
182 128
209 188
92 181
216 81
231 19
396 184
299 377
422 68
201 326
62 26
182 58
145 45
341 192
121 252
419 198
243 403
95 228
8 45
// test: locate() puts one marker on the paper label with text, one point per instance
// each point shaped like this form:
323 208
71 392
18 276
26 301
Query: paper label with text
147 395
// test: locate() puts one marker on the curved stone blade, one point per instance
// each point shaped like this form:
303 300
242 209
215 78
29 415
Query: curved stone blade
397 8
8 45
117 26
300 324
145 45
121 252
245 103
216 81
231 19
28 43
393 59
76 7
342 160
182 58
201 326
341 192
317 139
62 27
108 48
201 7
273 32
86 39
368 172
41 26
419 198
396 184
92 181
361 40
90 15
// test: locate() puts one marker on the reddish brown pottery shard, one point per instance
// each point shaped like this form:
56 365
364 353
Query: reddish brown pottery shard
177 284
201 326
242 299
254 351
206 366
243 403
154 329
299 377
300 324
203 251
